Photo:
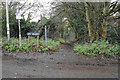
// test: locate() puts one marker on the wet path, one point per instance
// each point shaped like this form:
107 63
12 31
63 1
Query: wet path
61 64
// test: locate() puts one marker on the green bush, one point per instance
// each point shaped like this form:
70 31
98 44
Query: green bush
13 45
97 48
51 44
0 43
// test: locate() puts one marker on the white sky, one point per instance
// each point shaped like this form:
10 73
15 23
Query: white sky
41 11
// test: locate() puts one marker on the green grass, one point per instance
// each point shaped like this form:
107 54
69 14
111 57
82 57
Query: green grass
13 45
97 48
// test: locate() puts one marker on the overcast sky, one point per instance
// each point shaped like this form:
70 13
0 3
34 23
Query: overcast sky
44 10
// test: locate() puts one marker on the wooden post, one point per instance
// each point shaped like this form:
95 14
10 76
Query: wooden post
28 39
37 41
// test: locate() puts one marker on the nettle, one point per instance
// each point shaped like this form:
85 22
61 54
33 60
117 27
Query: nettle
97 48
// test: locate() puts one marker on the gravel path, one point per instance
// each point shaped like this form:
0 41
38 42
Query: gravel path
61 64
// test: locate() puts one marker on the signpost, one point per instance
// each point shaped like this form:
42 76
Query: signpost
18 16
45 35
33 34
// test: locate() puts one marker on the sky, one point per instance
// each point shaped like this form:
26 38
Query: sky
39 12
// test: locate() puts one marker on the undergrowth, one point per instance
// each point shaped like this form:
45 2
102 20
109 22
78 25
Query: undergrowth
97 48
30 46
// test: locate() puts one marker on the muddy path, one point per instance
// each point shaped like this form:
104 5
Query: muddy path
61 64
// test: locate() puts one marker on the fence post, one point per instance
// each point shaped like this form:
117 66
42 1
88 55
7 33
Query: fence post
37 41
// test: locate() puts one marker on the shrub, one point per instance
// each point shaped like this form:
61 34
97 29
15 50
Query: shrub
97 48
0 43
13 45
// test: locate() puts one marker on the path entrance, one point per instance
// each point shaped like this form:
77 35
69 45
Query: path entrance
61 64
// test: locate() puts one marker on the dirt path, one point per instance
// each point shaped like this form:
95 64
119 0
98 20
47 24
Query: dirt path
62 64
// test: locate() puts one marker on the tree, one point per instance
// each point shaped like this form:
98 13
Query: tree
23 8
88 21
7 21
97 17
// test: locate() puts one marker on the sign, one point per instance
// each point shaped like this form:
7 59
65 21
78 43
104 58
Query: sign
29 34
33 34
18 16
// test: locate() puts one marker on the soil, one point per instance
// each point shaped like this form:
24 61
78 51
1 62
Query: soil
60 64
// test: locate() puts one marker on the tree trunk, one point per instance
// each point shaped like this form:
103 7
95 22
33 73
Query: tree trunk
105 21
104 28
97 36
76 35
7 18
88 20
95 32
